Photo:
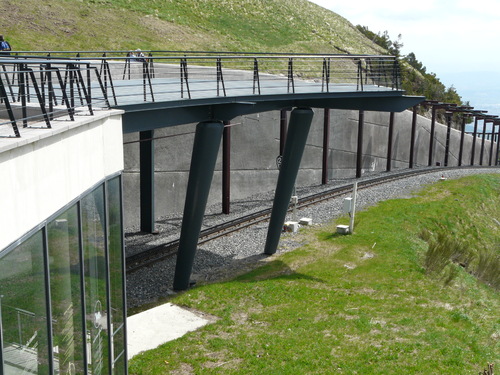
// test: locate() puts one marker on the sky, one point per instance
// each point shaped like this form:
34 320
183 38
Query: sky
458 40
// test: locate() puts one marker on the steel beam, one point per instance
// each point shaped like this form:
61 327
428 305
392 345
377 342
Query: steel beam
147 180
298 130
205 149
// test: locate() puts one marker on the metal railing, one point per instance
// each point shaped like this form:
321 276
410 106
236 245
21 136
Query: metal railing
37 87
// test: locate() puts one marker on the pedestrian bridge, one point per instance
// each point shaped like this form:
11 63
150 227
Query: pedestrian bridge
39 90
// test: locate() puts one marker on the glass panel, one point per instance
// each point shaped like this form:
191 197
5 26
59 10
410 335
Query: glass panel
96 309
24 313
65 291
116 272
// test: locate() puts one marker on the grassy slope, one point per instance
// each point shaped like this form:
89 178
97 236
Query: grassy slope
230 25
359 304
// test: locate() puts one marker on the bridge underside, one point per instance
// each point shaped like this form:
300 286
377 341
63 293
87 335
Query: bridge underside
149 116
210 114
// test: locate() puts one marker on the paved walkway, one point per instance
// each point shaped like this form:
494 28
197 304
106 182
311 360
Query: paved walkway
152 328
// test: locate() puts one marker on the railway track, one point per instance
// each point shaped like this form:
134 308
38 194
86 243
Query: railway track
140 260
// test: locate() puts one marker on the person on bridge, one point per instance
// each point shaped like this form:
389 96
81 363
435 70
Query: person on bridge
140 55
5 47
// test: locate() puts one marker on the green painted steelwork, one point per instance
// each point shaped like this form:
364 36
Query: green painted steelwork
298 129
205 149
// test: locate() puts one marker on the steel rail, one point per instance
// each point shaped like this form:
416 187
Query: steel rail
163 251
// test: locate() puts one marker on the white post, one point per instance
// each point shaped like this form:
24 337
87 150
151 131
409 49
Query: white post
354 193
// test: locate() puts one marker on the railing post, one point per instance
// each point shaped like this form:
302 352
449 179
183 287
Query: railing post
290 76
184 77
256 78
12 118
325 80
220 77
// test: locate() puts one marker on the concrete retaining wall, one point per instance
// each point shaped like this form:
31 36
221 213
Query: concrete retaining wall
255 146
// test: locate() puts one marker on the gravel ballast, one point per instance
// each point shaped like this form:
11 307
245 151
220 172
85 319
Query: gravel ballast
243 250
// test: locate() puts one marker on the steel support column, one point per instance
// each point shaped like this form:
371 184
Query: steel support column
298 129
205 149
226 168
482 143
431 140
389 142
359 157
498 147
492 138
326 145
462 137
147 180
474 138
412 137
447 143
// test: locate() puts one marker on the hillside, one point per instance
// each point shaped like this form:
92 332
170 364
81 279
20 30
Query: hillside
229 25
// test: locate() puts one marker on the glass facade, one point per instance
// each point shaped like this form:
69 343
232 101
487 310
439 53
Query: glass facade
62 295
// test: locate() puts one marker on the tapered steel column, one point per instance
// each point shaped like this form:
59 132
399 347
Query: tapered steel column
431 141
205 149
359 156
474 138
389 142
298 129
482 143
447 143
326 145
462 137
226 168
147 180
412 138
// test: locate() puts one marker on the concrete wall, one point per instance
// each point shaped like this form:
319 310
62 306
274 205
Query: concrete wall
255 147
48 168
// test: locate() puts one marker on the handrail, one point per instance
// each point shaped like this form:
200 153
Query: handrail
89 80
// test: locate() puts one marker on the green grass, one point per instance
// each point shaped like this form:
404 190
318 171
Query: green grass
360 304
228 25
